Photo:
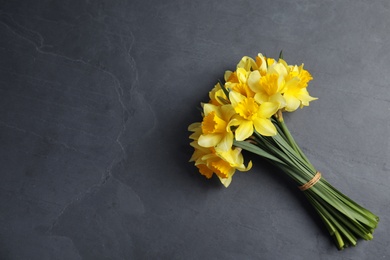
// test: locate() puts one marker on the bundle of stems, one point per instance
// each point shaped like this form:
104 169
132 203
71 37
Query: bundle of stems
345 220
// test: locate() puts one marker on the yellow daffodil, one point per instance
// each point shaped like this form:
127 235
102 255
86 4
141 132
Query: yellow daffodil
251 115
250 97
215 129
199 153
232 160
217 96
261 64
223 163
237 81
295 93
211 160
269 86
246 63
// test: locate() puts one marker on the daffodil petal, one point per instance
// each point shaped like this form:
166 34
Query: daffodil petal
304 96
232 156
292 103
227 75
235 98
194 126
244 130
194 136
264 127
226 142
253 81
278 98
227 112
261 97
261 64
225 181
234 122
268 109
209 140
242 75
242 168
209 158
246 63
208 108
278 68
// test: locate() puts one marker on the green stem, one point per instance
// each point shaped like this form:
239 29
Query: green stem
290 138
345 219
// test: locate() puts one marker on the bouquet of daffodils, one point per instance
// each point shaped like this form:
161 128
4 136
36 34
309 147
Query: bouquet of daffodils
246 113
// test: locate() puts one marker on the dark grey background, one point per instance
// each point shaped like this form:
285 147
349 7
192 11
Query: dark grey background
95 100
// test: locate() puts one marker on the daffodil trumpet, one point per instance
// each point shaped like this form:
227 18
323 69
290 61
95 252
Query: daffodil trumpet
246 113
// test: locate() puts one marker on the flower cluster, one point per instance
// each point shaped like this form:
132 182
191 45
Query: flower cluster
244 104
245 113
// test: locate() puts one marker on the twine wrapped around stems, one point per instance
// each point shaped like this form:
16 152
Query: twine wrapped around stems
311 183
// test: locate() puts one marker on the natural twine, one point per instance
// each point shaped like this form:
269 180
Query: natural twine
311 183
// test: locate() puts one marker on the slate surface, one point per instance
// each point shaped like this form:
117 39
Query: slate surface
95 100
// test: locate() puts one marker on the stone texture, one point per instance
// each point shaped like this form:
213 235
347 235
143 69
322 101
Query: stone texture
95 100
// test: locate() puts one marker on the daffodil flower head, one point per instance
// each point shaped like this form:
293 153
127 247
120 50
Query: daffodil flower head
222 163
201 156
237 81
268 88
198 157
295 92
232 161
251 95
199 152
251 115
215 129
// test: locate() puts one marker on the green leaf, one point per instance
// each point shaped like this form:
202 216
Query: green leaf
345 220
225 91
224 101
256 150
281 54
